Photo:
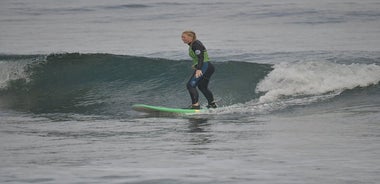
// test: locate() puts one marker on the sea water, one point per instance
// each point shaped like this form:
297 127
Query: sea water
297 84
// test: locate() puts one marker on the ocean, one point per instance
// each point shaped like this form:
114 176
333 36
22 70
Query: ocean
297 85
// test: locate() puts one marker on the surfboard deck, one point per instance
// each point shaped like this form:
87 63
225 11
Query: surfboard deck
160 109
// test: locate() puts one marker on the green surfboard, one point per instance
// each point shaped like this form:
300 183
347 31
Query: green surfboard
160 109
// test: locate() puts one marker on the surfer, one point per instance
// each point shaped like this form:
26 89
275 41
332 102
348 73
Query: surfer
203 71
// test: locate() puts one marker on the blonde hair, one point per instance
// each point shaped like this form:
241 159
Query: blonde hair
191 34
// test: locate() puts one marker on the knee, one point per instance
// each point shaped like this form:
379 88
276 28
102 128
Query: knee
188 86
191 84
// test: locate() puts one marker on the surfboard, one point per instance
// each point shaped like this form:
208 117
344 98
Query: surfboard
160 109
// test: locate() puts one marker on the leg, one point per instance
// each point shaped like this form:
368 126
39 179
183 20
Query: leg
191 87
203 86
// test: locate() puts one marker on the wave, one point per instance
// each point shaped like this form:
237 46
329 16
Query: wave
110 84
106 84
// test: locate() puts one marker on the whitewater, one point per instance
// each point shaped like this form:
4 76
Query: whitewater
297 85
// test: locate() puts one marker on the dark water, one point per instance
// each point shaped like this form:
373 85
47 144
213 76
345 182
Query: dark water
104 84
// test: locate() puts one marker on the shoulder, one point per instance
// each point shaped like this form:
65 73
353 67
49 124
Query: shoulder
197 45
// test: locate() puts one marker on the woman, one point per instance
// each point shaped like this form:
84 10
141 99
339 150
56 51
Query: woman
203 70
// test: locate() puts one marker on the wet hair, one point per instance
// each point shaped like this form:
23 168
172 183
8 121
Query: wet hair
191 34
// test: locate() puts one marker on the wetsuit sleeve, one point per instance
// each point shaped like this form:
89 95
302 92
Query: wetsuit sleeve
199 51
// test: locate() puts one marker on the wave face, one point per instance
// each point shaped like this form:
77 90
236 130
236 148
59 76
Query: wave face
105 84
110 84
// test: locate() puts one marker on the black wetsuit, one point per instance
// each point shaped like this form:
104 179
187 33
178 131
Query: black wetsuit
198 53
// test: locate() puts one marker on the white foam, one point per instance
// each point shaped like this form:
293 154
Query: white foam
11 70
315 78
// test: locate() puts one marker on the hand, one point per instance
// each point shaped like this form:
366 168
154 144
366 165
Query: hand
198 73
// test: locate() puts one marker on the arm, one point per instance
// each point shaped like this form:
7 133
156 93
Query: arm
199 51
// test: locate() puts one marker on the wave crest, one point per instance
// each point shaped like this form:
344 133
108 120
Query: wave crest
315 78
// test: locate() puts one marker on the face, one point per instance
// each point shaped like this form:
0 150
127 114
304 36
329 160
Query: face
186 38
